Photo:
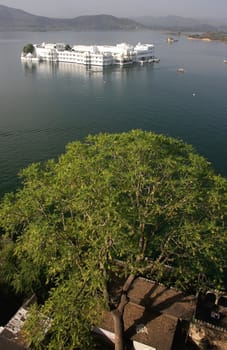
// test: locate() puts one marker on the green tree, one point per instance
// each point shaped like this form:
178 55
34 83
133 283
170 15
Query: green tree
139 200
68 47
29 48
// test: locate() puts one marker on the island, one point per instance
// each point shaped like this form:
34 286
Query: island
210 36
90 55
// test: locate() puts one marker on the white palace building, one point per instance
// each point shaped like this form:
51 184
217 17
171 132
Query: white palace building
93 55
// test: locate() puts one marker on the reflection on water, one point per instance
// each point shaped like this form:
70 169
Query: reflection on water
65 68
46 69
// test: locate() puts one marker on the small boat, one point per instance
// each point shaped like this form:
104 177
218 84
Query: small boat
180 70
171 40
225 61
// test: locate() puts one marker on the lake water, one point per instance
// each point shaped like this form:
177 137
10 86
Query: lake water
45 106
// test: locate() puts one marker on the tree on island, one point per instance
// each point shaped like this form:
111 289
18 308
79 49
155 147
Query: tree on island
137 199
29 48
68 47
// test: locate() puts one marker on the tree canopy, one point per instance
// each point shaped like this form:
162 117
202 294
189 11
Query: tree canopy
29 48
68 47
146 201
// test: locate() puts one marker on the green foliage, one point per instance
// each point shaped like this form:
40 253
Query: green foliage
29 48
142 198
65 320
68 47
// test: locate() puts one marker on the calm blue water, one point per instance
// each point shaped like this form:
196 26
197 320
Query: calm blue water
43 107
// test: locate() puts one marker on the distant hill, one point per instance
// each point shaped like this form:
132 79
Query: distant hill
179 23
12 19
15 19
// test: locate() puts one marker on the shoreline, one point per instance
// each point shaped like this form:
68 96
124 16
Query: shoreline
203 39
208 37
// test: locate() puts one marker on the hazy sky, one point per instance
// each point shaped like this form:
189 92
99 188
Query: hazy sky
124 8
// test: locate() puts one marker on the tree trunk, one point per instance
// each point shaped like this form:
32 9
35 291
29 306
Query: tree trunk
118 313
118 329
